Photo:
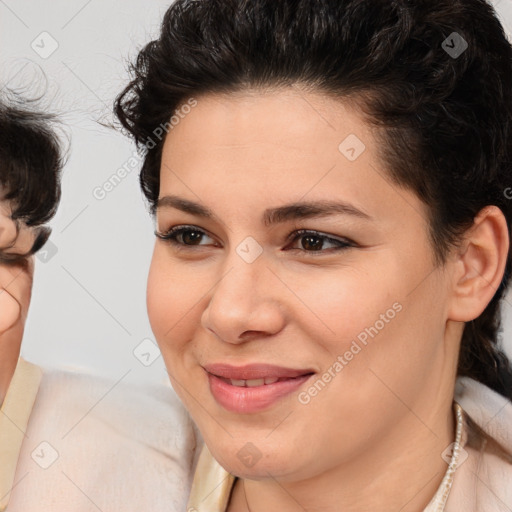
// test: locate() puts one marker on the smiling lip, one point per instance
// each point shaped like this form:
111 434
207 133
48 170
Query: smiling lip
254 371
241 399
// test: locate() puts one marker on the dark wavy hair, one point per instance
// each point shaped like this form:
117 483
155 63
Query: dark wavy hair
31 162
443 119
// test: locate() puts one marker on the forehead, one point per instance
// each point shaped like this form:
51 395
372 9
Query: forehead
274 137
275 147
286 118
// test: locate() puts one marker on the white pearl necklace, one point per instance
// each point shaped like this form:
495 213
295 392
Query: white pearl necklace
438 502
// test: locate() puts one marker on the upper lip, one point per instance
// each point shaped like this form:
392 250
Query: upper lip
254 371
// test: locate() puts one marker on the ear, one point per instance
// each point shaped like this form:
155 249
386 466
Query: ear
479 265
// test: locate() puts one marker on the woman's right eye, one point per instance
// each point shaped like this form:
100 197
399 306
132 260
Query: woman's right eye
188 234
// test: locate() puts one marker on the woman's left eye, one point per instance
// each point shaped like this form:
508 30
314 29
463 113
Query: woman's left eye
185 237
315 241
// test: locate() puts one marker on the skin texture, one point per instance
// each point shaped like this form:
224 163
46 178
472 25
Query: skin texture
358 444
15 293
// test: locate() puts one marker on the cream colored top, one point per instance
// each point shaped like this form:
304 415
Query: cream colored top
481 477
70 442
15 413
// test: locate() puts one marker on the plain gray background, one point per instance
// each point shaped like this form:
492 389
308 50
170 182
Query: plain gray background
88 309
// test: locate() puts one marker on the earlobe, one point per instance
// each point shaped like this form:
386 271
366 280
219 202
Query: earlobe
10 311
480 265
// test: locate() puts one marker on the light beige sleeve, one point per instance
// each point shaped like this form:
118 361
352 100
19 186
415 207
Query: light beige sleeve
96 445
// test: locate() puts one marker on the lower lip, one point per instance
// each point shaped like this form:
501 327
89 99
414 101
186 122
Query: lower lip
246 400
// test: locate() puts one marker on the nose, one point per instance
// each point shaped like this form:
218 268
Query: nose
246 303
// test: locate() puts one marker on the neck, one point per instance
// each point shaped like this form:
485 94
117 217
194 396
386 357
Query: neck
402 473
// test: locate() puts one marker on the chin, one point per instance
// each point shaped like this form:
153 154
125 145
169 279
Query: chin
248 457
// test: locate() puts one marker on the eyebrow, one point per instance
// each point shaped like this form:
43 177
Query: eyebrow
271 216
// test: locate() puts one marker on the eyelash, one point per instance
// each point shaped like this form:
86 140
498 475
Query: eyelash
171 235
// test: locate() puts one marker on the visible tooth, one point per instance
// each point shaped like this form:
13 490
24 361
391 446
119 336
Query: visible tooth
255 382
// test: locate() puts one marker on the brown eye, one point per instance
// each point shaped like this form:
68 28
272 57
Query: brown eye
186 236
313 241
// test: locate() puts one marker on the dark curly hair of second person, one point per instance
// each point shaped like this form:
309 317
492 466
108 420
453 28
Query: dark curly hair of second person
446 123
31 162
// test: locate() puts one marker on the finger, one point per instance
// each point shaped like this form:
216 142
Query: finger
10 311
8 229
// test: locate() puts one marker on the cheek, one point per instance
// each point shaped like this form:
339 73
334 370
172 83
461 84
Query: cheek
335 307
166 299
376 319
390 343
173 302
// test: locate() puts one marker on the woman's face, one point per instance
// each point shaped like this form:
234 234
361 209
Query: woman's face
358 302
